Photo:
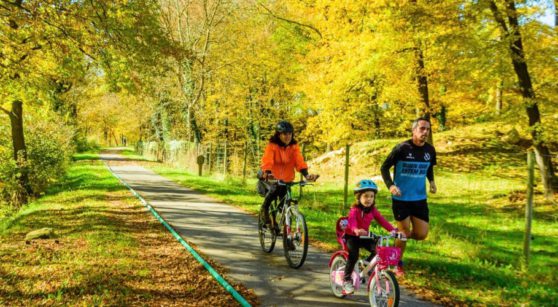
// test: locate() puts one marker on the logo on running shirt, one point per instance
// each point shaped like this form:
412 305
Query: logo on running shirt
410 156
426 157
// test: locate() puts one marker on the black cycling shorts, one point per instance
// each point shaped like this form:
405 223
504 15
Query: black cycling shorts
404 209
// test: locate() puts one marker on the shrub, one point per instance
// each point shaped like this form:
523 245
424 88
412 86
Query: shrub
49 147
82 144
10 189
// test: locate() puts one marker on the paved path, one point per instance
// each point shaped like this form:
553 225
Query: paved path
227 235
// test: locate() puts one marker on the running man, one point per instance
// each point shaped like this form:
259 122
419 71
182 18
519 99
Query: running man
413 161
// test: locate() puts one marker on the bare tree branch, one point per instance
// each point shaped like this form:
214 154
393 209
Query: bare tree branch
498 16
209 25
291 21
4 110
414 49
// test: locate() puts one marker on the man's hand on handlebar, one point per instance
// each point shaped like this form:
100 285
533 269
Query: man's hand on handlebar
312 177
398 235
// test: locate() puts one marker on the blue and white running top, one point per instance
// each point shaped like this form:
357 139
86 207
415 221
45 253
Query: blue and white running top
412 165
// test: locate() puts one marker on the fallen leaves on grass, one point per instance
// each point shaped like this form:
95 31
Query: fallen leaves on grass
148 267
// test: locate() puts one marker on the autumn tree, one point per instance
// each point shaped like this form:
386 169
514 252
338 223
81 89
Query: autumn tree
506 15
193 27
38 37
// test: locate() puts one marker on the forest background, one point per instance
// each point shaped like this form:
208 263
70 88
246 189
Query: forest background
181 79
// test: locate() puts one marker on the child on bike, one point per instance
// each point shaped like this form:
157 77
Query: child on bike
362 212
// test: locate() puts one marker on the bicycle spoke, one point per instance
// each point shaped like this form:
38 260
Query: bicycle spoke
295 241
265 233
384 290
336 272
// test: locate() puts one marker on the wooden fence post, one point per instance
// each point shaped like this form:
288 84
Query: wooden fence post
225 160
245 161
528 208
210 159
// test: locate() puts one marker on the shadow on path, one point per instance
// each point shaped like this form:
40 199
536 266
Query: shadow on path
228 235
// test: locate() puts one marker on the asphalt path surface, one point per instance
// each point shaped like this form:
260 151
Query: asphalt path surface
228 235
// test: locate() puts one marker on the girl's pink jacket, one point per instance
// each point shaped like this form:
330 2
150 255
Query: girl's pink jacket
358 219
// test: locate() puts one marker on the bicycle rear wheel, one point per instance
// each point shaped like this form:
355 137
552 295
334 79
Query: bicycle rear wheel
385 291
295 239
266 233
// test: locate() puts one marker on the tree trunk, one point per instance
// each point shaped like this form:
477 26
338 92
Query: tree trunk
498 96
106 135
189 134
20 152
114 138
422 83
196 130
377 126
442 117
544 160
18 138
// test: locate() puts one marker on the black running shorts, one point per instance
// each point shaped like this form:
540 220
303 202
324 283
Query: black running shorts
404 209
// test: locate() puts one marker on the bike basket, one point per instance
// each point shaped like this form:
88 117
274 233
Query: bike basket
388 255
262 187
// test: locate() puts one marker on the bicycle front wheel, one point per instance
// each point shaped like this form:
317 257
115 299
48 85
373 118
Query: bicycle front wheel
336 274
266 232
295 239
384 291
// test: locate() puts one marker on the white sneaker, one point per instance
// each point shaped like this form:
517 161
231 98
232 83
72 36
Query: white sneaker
348 287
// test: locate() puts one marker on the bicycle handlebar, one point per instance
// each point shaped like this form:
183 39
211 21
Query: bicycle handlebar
290 184
396 235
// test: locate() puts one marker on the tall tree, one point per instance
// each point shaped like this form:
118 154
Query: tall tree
192 26
511 30
36 36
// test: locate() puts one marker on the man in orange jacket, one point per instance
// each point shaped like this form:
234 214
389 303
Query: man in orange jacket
281 157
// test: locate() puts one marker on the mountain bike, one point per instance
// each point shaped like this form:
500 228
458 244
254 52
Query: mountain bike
285 221
382 286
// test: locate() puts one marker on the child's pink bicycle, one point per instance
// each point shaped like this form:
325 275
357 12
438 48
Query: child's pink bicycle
383 289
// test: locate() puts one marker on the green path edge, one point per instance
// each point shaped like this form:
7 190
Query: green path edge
239 298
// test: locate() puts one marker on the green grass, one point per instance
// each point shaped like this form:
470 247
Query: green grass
107 250
130 154
82 265
474 249
86 156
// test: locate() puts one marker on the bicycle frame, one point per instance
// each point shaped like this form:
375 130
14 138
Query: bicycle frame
295 236
290 205
374 264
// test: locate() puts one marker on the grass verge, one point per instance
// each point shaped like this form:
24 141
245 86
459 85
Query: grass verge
107 250
473 252
130 154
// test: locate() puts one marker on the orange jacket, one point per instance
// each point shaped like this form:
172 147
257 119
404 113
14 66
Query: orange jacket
282 161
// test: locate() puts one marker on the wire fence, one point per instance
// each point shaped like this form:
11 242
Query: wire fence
218 158
242 160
